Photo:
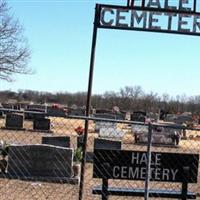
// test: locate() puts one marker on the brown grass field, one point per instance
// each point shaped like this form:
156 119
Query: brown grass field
27 190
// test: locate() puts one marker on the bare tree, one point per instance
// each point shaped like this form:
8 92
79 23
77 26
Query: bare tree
14 51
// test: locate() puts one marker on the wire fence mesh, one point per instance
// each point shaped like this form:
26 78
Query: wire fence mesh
51 172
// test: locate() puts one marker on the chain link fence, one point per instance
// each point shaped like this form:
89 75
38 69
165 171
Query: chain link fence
38 156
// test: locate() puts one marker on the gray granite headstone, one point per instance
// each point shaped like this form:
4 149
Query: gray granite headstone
61 141
103 144
40 161
56 112
78 112
14 120
183 119
41 124
107 144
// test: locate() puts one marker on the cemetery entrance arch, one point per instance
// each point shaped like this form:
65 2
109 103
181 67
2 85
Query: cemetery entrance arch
160 16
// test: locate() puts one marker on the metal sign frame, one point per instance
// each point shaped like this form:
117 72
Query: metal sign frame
130 6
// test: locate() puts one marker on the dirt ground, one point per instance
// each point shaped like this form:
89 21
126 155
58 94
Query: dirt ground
26 190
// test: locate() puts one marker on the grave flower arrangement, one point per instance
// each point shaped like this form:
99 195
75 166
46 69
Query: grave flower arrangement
78 156
79 130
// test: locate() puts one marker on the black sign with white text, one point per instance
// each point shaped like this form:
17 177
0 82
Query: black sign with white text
131 165
182 17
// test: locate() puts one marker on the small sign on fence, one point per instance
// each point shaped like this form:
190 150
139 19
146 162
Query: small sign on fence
131 165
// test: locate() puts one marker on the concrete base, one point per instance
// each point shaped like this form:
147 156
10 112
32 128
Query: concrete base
13 129
158 145
41 131
61 180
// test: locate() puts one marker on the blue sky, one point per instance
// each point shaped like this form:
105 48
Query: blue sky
60 35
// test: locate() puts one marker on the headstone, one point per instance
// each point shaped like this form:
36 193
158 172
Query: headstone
139 129
170 118
138 116
107 144
32 114
111 133
14 121
100 124
183 119
37 106
77 112
7 106
60 141
105 115
100 143
40 161
153 116
42 124
160 136
56 112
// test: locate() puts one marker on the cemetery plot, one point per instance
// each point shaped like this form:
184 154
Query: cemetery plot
66 127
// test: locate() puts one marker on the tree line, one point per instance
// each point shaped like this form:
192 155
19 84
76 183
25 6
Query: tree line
127 99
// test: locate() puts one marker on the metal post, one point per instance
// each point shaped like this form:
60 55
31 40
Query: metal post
195 6
128 3
132 3
148 168
92 59
186 171
105 189
143 3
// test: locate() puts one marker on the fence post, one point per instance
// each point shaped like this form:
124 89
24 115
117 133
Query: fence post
186 171
105 189
89 94
148 167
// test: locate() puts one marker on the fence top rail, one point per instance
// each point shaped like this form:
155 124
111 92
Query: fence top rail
153 124
20 111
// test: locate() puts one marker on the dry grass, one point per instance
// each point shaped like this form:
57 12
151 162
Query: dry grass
18 190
